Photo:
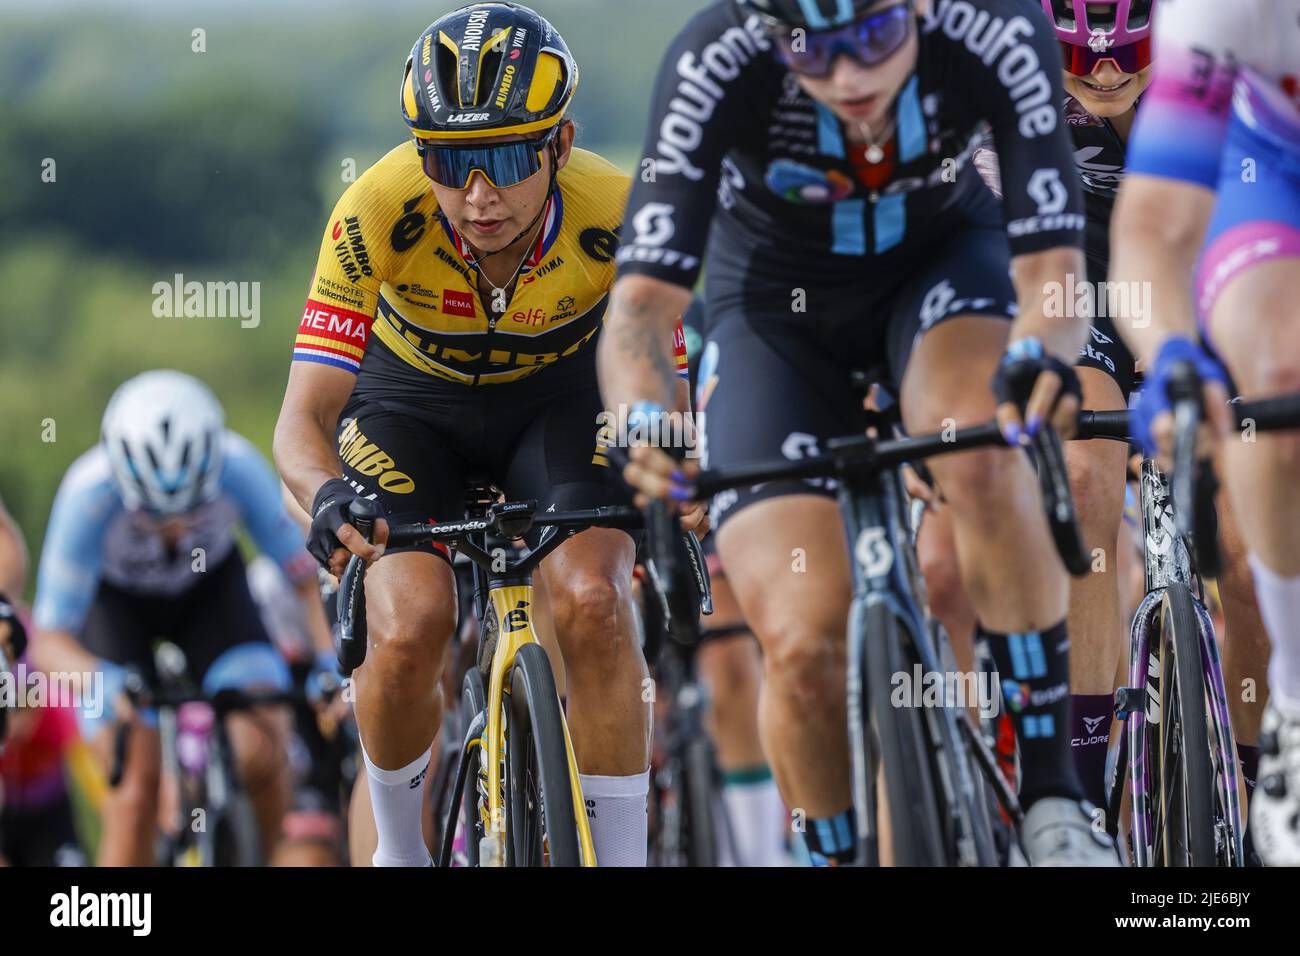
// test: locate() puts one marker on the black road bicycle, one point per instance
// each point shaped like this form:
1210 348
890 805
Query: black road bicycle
939 769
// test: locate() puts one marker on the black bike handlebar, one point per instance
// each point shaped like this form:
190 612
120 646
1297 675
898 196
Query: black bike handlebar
865 455
225 701
454 532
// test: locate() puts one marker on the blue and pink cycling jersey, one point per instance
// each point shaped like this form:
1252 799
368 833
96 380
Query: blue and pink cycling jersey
1224 112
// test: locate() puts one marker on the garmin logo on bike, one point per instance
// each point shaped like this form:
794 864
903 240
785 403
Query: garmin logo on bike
700 91
1000 42
77 909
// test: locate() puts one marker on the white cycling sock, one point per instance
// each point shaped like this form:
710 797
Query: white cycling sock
397 797
1279 606
616 812
756 815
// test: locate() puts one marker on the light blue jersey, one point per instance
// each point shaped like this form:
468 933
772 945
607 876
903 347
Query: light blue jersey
92 536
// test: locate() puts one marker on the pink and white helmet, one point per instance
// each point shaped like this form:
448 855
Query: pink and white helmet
1092 31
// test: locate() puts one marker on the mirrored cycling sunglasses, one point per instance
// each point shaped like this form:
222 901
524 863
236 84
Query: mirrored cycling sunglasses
503 165
1082 60
869 41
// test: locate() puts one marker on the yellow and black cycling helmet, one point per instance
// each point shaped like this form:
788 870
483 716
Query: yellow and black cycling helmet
488 69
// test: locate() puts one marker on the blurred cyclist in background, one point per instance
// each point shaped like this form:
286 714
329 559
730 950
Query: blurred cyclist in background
141 544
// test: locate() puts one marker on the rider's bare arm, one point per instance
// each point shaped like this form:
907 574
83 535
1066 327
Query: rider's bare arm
304 433
635 359
1042 275
304 445
1157 233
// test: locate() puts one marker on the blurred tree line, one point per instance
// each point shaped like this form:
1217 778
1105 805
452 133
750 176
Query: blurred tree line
133 148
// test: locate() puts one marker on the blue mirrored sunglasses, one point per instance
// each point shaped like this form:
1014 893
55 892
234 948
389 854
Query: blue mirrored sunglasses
870 41
503 165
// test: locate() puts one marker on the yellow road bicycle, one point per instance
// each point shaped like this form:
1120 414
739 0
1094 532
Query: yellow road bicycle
534 813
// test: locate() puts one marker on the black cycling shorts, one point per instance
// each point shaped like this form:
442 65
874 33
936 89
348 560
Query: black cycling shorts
216 615
771 389
1105 351
534 439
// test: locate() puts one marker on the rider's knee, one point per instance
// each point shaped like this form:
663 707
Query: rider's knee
807 667
587 607
260 744
943 586
977 481
1097 487
413 637
730 668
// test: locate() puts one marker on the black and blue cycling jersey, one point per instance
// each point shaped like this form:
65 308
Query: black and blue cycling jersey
740 161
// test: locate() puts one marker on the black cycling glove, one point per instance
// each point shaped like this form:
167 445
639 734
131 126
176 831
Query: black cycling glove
17 633
1019 370
329 512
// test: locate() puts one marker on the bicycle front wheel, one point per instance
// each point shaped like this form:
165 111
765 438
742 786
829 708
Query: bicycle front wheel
1184 766
541 828
916 827
698 789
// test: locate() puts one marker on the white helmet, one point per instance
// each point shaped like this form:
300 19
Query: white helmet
162 431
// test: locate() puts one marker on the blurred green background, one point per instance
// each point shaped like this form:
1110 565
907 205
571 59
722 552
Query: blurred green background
221 165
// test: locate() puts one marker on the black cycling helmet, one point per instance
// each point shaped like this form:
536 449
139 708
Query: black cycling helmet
488 69
810 14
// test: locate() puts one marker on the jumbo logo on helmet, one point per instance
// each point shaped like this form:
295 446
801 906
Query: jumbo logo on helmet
507 80
426 52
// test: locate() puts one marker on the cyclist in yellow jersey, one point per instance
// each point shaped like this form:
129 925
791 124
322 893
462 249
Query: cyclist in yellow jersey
450 331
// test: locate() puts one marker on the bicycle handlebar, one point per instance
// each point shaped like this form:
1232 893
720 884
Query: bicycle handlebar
225 701
860 455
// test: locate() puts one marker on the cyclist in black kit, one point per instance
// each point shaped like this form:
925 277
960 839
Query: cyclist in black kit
820 150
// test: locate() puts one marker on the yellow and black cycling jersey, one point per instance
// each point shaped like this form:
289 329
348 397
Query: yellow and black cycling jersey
395 295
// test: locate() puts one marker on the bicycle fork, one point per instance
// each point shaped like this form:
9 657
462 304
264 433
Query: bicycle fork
513 605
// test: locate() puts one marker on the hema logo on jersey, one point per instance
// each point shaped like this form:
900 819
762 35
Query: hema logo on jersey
999 41
700 91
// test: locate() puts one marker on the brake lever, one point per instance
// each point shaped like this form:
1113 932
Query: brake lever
351 608
700 570
1193 482
1058 503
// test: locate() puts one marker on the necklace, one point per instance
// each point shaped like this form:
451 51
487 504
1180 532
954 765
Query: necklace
874 153
499 292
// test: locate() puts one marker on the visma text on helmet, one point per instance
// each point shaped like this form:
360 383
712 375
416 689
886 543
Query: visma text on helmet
208 300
